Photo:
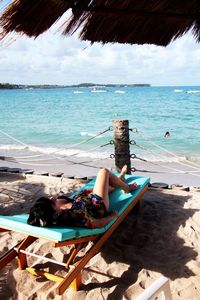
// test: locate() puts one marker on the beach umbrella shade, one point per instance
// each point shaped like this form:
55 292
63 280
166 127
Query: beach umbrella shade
130 21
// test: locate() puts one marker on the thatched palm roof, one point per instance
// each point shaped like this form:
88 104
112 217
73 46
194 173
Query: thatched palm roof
128 21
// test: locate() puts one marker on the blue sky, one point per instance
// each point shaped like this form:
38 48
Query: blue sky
55 59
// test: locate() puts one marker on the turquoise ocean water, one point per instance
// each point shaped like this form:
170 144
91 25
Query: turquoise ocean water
60 121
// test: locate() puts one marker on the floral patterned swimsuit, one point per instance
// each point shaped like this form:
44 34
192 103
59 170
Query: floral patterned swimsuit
85 207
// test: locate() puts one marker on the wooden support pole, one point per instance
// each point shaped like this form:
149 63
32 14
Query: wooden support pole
122 146
22 262
8 256
97 246
4 230
73 253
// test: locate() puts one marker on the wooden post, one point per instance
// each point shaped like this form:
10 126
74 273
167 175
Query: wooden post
22 261
122 146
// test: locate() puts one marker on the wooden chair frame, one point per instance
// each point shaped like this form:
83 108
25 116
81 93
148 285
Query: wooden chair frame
73 265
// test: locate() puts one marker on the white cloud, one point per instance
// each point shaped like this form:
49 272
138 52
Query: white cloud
54 59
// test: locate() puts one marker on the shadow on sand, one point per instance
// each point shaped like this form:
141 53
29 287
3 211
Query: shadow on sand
146 240
15 194
149 241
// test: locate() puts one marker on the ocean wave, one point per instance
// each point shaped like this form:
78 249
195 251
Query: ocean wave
13 147
54 152
193 91
163 158
47 153
85 133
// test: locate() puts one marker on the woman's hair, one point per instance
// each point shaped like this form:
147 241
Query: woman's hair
42 212
66 198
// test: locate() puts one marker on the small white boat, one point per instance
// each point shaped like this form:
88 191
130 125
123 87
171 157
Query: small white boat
178 91
119 92
77 92
193 91
98 90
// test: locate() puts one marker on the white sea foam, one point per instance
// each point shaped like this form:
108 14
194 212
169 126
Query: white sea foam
13 147
178 91
73 153
193 91
85 133
54 152
162 158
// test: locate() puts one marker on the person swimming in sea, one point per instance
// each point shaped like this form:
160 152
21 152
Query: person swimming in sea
167 134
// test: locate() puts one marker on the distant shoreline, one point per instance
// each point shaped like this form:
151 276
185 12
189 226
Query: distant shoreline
8 86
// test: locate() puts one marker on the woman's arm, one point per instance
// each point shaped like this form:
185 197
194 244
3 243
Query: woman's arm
97 223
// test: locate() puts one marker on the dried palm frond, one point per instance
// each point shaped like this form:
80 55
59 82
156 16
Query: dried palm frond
129 21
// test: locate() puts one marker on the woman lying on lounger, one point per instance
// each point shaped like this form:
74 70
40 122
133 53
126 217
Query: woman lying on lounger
89 208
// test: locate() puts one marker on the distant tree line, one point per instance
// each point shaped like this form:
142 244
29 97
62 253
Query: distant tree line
9 86
46 86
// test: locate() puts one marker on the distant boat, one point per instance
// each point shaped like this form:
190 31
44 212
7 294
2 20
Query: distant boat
178 91
119 92
193 91
98 90
77 92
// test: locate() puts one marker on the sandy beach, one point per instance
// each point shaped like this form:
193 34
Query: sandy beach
163 239
85 84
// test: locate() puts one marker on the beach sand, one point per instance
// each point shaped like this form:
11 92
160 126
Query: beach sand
162 239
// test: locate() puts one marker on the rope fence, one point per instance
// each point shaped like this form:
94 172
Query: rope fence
189 164
34 159
121 143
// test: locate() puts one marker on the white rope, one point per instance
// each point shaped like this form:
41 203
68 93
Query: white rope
89 150
14 139
33 164
28 156
91 138
56 151
155 154
169 152
39 155
177 171
13 159
40 257
170 168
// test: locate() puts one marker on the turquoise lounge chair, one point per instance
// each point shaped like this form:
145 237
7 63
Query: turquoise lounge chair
64 236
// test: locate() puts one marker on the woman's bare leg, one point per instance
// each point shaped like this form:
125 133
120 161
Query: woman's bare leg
119 181
123 172
106 179
101 187
111 189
